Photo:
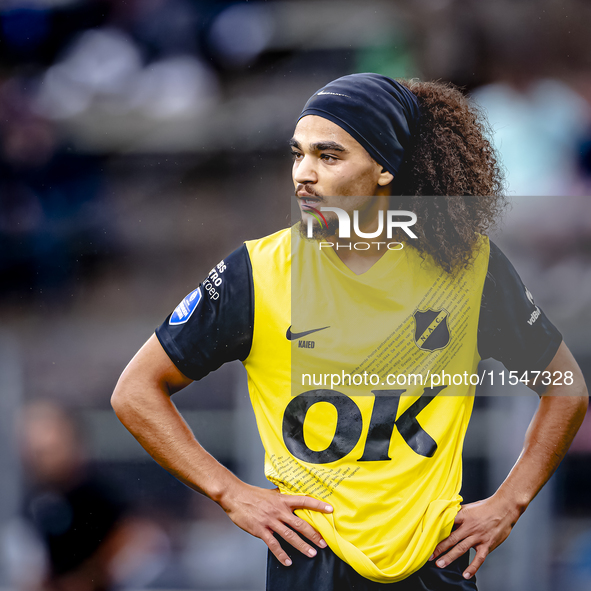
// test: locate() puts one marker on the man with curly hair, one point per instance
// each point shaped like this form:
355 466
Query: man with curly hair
369 472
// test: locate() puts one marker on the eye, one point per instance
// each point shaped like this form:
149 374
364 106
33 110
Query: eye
328 158
296 155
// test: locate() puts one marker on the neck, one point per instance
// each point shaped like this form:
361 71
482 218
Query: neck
359 252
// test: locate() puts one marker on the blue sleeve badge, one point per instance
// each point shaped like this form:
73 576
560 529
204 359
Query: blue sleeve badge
183 311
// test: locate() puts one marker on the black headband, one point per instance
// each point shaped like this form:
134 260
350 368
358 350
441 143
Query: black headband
380 113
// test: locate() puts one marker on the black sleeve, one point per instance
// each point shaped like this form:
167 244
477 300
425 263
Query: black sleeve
214 323
512 328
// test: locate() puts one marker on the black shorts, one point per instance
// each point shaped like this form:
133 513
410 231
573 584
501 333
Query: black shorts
327 572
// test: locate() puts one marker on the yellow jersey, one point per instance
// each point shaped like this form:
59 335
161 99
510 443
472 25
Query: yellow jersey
361 384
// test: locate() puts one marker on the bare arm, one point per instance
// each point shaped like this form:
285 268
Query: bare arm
142 402
486 524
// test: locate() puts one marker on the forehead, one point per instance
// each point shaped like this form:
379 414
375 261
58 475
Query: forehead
313 129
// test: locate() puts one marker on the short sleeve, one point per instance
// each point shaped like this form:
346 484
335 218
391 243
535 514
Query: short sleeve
511 327
214 323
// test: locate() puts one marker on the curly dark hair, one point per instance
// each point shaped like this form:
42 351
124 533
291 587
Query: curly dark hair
450 156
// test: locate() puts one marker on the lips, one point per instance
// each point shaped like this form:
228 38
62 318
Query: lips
308 202
307 199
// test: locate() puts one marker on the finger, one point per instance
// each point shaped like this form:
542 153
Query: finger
449 542
481 554
276 548
458 550
307 530
302 502
292 538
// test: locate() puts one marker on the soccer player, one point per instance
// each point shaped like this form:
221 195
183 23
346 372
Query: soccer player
368 473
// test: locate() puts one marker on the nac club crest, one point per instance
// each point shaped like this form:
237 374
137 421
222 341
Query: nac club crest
431 329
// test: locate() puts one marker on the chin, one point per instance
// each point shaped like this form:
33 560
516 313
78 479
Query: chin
319 232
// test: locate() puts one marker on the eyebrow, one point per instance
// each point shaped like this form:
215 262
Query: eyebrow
319 146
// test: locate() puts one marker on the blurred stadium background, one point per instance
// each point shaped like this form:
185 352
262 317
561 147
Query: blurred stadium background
141 141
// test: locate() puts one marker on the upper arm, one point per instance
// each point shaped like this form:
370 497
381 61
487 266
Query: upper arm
214 323
515 331
152 367
560 382
512 328
211 326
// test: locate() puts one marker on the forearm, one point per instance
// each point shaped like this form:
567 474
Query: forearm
547 440
486 524
148 412
142 402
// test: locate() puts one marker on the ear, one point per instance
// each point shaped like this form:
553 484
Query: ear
385 178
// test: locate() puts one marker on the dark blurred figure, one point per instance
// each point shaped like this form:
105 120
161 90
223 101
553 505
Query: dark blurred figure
91 541
34 33
53 221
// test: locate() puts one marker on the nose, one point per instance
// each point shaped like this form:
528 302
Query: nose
304 171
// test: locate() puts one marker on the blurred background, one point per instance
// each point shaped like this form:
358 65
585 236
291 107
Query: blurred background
140 143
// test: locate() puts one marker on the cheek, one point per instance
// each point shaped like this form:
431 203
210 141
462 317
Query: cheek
361 182
337 183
